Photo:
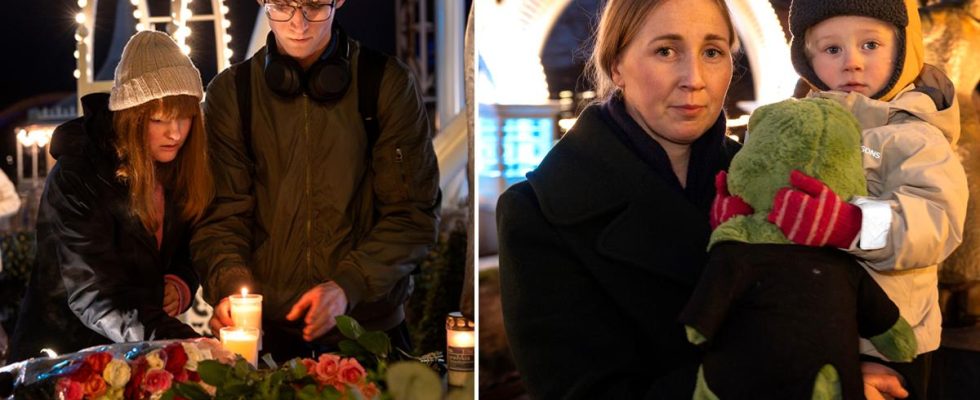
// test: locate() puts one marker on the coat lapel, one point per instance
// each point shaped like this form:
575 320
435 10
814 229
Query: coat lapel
591 175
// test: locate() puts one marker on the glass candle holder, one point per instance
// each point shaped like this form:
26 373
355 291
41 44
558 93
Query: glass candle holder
460 343
246 310
242 341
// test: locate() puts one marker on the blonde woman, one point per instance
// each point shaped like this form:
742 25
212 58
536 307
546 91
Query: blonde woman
114 221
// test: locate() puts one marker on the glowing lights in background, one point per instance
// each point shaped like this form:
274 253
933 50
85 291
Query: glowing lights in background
178 25
39 137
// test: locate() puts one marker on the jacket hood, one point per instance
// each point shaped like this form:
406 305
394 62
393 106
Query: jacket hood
90 134
903 14
815 136
931 99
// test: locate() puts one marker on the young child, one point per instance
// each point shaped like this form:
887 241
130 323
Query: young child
868 55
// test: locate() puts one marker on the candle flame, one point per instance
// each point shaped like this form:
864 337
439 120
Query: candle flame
244 291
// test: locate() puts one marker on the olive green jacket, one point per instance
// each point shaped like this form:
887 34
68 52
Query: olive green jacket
311 208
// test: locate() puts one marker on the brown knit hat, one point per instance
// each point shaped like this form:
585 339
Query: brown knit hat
903 14
153 67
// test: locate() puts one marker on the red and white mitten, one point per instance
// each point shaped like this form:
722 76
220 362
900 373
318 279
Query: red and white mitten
811 214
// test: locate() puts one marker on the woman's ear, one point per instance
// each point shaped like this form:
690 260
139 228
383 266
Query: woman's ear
617 77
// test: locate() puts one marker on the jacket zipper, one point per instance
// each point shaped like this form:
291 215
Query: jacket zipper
309 190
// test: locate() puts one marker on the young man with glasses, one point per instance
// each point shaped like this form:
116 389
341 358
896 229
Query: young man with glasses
322 207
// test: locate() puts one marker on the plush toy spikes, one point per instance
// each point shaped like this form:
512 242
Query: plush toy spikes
816 136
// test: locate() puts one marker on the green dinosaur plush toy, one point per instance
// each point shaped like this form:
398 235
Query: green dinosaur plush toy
779 320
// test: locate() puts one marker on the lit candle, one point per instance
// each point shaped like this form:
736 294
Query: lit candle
246 310
460 342
242 341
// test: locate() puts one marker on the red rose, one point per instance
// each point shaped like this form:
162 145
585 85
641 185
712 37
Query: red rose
176 358
82 373
98 361
94 387
68 389
134 387
157 380
193 376
350 371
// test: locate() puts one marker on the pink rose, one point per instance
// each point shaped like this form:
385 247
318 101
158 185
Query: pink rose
350 371
157 380
326 369
369 391
68 389
309 364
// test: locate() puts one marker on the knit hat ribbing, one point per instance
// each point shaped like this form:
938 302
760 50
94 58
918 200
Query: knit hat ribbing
903 14
153 67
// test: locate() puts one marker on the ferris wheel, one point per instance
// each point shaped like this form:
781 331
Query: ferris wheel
178 23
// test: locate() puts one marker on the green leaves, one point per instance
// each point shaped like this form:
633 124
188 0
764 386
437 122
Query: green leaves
376 342
349 327
361 343
212 372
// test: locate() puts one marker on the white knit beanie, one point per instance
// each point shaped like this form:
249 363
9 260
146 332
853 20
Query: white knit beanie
153 67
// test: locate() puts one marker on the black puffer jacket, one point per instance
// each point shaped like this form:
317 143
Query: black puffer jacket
98 276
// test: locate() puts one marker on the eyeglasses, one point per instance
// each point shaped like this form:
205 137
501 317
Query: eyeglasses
281 11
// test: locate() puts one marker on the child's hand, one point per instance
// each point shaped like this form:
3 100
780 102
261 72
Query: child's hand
726 206
813 215
176 295
171 299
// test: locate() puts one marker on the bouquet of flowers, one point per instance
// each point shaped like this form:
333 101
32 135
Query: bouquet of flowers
122 371
200 369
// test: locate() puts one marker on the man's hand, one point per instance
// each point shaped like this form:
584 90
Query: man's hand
881 382
321 304
221 317
171 299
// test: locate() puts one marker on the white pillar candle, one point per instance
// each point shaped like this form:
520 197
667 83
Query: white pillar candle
242 341
460 343
246 310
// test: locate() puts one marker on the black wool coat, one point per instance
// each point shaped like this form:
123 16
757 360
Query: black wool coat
598 256
98 275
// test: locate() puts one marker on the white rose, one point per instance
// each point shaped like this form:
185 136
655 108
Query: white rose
193 355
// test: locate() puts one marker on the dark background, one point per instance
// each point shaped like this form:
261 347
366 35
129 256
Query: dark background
37 65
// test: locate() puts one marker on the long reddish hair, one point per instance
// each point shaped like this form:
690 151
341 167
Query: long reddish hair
188 176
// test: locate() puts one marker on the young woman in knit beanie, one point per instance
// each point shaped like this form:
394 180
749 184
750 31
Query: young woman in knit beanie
868 56
114 221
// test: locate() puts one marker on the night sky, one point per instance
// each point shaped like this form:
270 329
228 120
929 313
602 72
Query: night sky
38 42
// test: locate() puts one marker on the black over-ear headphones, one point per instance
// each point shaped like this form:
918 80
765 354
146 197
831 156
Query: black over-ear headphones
327 79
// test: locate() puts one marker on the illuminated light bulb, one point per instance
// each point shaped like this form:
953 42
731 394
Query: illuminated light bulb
228 52
227 38
78 38
80 18
225 23
82 3
134 2
186 49
48 352
140 27
137 14
224 9
75 54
